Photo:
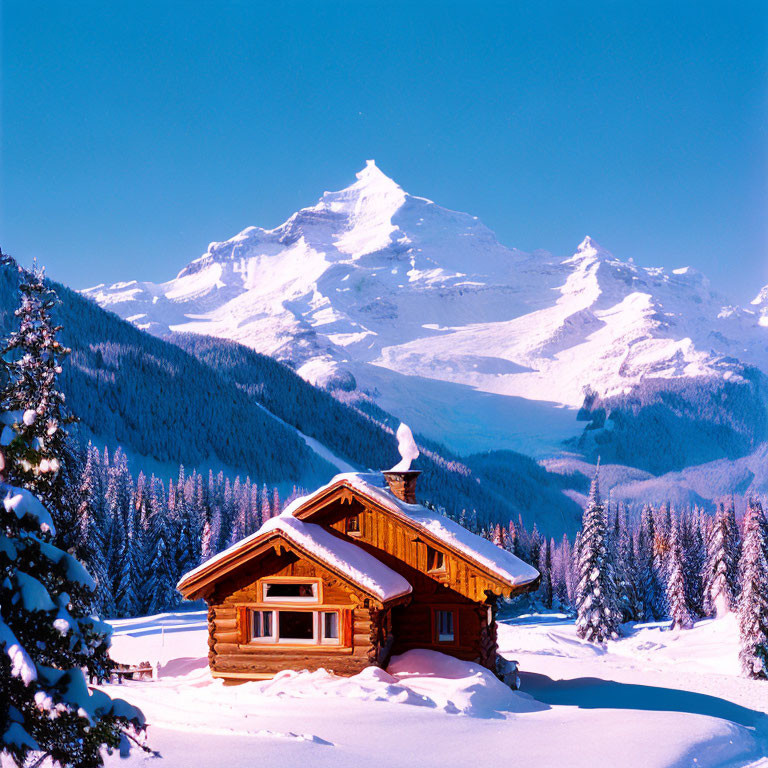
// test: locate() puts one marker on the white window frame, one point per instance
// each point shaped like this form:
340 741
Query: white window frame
297 640
318 628
270 639
329 640
314 598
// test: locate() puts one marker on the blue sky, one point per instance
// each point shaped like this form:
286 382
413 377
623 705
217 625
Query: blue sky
134 133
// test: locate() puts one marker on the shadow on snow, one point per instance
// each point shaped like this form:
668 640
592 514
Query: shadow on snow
596 693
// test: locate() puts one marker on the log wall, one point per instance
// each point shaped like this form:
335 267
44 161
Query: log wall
230 653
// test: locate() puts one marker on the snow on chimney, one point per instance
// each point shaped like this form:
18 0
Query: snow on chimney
403 484
401 479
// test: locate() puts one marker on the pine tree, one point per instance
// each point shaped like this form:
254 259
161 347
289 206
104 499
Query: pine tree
753 603
677 589
38 456
598 616
630 604
49 639
720 597
695 556
652 593
161 584
119 553
546 591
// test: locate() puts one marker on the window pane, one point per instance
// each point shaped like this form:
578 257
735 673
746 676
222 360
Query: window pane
296 625
353 524
445 632
435 560
262 623
281 589
331 626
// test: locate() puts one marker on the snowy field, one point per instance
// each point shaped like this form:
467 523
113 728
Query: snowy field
654 698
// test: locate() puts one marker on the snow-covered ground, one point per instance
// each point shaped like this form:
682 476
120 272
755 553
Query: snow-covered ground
654 698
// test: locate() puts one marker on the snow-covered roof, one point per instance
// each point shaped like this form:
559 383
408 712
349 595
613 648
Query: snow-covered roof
343 556
500 562
363 568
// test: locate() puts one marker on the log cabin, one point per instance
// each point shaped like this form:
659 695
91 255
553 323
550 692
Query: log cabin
348 576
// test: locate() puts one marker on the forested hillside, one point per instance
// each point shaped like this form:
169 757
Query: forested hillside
500 486
130 389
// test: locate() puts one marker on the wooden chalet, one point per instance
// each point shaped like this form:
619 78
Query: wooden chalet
349 575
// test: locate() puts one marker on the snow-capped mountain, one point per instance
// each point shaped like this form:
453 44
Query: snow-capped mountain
474 343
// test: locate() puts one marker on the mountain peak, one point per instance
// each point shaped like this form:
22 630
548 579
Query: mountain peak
588 244
372 177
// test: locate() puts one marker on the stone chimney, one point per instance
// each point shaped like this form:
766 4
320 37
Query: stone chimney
403 484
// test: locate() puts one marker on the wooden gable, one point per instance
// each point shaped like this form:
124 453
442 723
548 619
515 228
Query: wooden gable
381 530
271 554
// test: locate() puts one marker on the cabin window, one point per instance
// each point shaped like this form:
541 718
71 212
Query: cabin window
330 627
445 626
352 525
435 560
290 592
295 626
263 623
304 627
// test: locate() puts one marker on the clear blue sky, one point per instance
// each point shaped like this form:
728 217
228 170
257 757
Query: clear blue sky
134 133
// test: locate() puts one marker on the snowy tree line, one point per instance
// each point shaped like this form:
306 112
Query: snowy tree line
138 536
665 564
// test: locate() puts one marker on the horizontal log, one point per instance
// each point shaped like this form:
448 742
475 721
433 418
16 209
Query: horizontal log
225 623
226 637
234 651
341 666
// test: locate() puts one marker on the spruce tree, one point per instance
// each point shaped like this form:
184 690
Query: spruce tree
49 640
652 592
626 570
34 436
677 589
721 576
598 616
753 603
544 565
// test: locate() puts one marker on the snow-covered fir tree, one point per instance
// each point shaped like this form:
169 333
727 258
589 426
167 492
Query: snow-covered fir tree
49 639
677 588
753 603
648 568
35 410
546 591
721 568
630 604
598 616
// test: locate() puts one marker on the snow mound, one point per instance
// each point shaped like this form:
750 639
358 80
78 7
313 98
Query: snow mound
462 687
419 678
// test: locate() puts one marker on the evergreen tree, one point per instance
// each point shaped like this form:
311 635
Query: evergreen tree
35 439
161 585
721 567
753 604
652 592
546 591
630 604
49 639
677 589
695 557
597 614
